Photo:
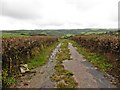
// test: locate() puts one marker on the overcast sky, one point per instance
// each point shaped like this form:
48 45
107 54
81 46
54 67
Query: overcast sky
58 14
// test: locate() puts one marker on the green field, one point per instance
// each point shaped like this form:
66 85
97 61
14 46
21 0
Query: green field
6 35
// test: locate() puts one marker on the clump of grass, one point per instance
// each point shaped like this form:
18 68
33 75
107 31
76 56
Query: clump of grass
7 80
64 78
61 85
10 81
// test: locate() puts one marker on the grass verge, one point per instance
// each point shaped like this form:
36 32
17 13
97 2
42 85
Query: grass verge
42 57
64 78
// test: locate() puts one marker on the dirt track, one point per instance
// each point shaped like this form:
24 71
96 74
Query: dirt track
41 79
85 73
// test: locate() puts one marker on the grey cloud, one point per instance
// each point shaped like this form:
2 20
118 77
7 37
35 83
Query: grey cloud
113 16
20 10
114 19
1 7
51 24
20 15
56 13
82 4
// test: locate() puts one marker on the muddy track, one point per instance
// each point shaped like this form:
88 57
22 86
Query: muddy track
85 73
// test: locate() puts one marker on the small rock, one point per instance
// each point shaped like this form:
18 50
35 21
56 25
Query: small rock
96 68
24 68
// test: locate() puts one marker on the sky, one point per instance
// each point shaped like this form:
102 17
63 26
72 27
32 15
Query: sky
58 14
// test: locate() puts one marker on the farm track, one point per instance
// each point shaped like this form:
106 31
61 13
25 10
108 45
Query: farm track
86 75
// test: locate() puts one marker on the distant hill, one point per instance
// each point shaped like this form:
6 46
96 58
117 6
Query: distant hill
60 32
